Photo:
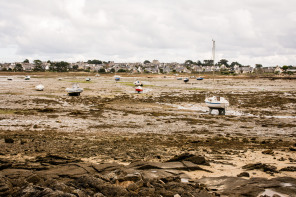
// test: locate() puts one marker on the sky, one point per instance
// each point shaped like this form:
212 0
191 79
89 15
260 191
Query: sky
246 31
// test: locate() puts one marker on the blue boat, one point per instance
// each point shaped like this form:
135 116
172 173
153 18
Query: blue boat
199 78
117 78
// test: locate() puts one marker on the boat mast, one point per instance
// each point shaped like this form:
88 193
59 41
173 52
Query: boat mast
213 53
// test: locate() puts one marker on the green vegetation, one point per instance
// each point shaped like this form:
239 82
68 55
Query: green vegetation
18 68
80 81
198 89
59 66
7 111
127 83
94 62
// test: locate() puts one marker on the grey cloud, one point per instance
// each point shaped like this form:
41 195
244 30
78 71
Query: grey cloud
169 30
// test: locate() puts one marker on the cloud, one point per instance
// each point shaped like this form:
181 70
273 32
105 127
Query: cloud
134 30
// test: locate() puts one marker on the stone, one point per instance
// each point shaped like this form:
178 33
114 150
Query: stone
268 152
289 169
260 166
9 140
243 174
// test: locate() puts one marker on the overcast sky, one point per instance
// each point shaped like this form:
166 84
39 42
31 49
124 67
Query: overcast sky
247 31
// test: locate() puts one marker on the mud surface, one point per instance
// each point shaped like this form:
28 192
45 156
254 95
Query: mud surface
160 142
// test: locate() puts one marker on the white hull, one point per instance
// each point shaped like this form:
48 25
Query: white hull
216 102
39 87
75 90
72 90
217 105
138 83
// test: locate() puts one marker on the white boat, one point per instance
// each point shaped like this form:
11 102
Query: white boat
216 102
179 78
27 78
138 83
9 78
75 90
139 89
186 79
39 87
87 79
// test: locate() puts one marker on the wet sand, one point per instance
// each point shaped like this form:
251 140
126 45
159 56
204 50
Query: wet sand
110 122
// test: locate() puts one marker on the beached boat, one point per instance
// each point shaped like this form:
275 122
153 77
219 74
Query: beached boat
138 83
27 77
216 102
179 78
139 89
39 87
9 78
117 78
199 78
186 79
75 90
88 79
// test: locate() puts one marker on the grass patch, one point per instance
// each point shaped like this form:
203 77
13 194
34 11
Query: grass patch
80 81
199 89
11 93
86 89
6 111
127 83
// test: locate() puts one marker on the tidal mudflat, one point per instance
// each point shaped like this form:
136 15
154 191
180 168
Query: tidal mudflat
112 141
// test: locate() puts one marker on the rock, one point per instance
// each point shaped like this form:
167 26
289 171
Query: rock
289 168
9 140
292 149
141 165
4 164
198 160
181 157
190 157
99 195
132 177
260 166
34 179
243 174
132 187
106 167
5 187
268 152
237 186
55 159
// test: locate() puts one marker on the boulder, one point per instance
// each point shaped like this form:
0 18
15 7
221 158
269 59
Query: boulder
260 166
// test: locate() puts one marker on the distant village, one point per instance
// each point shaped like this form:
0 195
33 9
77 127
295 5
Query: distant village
154 67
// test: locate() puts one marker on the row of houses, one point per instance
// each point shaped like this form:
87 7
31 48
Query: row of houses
154 67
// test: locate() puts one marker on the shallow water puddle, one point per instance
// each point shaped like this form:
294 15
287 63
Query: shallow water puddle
269 192
204 109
